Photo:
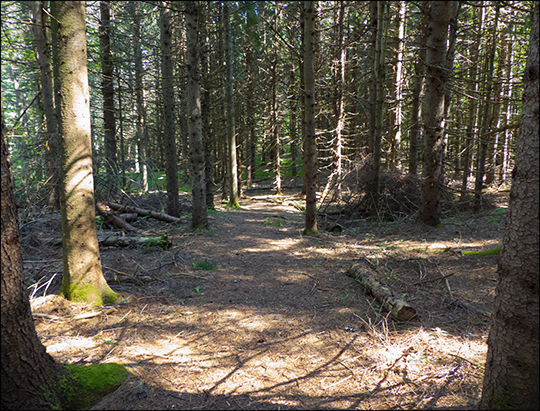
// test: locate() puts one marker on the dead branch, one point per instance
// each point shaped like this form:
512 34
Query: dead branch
113 219
146 213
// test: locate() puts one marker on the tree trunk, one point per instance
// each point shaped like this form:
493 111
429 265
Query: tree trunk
107 88
511 377
231 131
310 159
379 73
173 203
478 19
140 120
29 376
397 86
485 117
435 94
418 91
51 141
83 279
196 148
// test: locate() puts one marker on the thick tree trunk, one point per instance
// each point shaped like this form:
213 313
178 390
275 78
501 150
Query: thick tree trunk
82 276
173 203
196 148
511 379
310 159
29 376
434 128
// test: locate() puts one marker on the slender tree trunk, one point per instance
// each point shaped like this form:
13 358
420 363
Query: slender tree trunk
141 109
397 85
231 131
485 118
207 134
173 203
83 279
274 125
250 112
418 92
196 147
107 87
435 95
51 141
310 155
478 18
511 378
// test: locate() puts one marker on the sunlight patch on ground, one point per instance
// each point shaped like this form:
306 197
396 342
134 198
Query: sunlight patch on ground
71 343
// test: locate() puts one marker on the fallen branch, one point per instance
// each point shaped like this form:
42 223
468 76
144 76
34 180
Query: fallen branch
147 213
112 219
400 309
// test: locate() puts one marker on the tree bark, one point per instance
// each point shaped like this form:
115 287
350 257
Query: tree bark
511 379
46 76
173 203
310 162
29 376
107 87
400 309
196 148
82 276
231 130
434 127
418 91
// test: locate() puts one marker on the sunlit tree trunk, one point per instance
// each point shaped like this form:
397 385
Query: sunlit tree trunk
436 76
478 19
196 148
274 125
511 378
310 148
141 133
107 88
169 129
82 276
29 376
397 88
231 131
46 76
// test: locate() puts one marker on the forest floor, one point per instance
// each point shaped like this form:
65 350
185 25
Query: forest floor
251 314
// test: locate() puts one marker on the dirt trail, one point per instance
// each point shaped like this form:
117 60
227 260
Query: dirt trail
270 321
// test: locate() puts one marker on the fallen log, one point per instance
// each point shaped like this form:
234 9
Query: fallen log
113 219
109 240
146 213
400 309
119 241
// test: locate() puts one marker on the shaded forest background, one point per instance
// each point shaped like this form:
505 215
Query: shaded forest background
487 47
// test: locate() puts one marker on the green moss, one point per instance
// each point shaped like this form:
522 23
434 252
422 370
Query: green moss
85 386
483 253
233 204
88 293
310 231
